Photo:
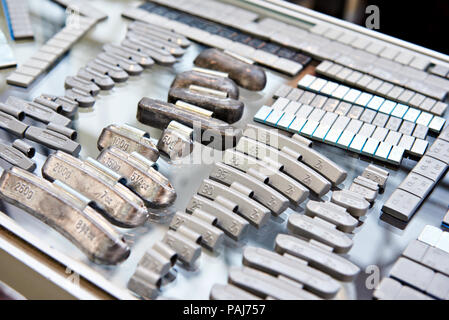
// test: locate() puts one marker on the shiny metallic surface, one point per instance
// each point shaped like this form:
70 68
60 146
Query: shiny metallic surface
386 241
244 74
175 144
128 139
67 214
149 184
118 204
16 157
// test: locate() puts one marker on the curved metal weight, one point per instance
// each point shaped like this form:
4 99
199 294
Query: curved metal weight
160 32
142 178
142 59
225 109
128 139
186 79
160 43
119 205
159 114
15 157
174 144
67 212
245 75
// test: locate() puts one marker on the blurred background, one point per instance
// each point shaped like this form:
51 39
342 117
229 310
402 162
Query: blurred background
421 22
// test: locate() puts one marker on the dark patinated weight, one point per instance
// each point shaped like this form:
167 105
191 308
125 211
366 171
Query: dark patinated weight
225 109
245 75
186 79
159 114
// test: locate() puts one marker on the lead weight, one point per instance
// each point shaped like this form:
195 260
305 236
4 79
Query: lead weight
53 140
190 234
24 147
286 185
263 194
101 80
245 75
207 91
332 213
49 104
128 139
194 109
69 133
117 203
317 257
48 138
302 140
226 109
38 112
131 67
84 99
230 292
260 176
142 283
166 251
184 130
227 204
215 133
81 84
375 176
207 79
368 194
117 74
69 106
292 268
155 189
320 230
206 217
326 167
67 212
231 223
15 112
12 125
264 285
401 205
254 212
242 189
379 170
170 47
353 202
158 31
211 237
174 144
367 183
16 158
160 56
188 251
154 261
291 166
142 59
